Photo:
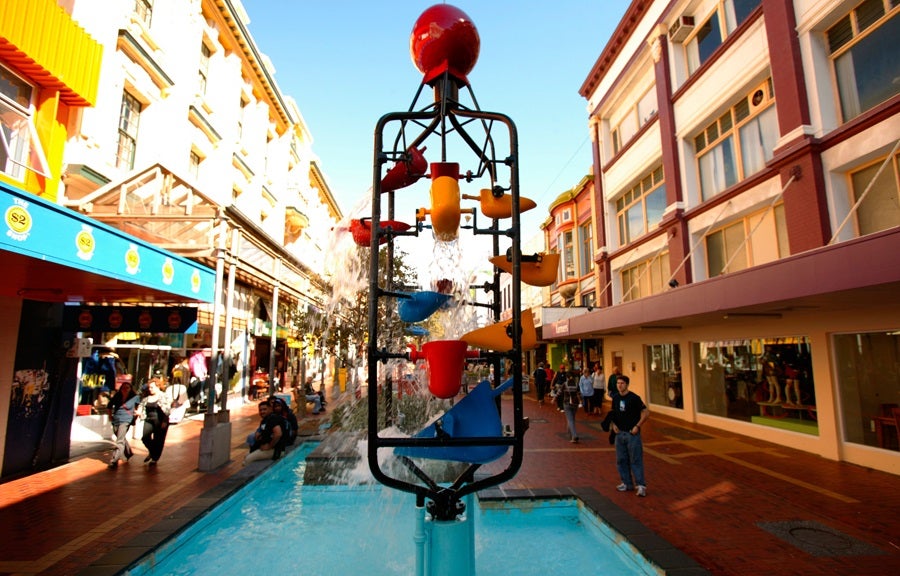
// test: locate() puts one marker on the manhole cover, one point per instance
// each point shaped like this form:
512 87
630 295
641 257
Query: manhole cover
818 539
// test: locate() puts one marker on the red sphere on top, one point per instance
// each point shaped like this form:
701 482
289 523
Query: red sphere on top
444 39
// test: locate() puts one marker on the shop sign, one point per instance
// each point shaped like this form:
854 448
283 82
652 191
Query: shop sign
129 318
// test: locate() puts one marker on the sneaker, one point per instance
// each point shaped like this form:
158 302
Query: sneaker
113 465
148 459
641 491
622 487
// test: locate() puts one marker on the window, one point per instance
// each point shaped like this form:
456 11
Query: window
20 148
568 252
738 143
863 48
143 9
705 41
194 167
861 361
205 53
129 118
880 209
729 15
642 207
587 249
767 381
754 240
664 374
646 278
638 115
589 299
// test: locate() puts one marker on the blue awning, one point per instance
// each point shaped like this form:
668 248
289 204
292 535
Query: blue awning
52 253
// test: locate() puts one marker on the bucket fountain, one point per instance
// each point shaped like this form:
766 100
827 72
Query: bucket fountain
477 148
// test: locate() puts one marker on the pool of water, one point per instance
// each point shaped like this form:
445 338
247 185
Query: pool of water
276 525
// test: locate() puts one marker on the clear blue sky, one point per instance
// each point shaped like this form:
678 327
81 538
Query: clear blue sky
347 63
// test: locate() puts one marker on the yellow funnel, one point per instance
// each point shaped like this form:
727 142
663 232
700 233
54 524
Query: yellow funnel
540 273
494 207
495 338
445 200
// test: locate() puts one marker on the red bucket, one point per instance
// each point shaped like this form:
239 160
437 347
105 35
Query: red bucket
446 363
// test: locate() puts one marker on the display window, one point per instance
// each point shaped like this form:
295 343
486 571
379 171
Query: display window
766 381
664 363
868 377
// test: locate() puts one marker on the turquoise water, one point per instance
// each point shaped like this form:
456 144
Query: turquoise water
276 525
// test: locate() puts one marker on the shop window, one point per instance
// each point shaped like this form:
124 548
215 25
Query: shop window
664 374
20 148
129 119
764 381
862 46
641 208
589 299
880 209
646 278
738 143
867 375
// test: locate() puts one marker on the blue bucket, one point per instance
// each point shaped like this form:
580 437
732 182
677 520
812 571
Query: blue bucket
421 305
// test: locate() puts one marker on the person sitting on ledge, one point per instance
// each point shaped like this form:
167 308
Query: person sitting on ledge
268 440
313 396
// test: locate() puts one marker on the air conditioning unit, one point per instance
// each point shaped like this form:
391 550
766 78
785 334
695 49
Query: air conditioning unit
681 28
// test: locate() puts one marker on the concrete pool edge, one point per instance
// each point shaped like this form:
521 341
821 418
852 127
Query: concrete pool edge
655 549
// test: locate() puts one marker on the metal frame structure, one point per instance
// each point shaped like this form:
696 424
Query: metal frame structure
443 119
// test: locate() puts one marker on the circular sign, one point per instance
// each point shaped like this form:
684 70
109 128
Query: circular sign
18 219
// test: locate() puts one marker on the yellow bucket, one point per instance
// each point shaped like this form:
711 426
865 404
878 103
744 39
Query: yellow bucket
445 200
540 273
495 338
500 207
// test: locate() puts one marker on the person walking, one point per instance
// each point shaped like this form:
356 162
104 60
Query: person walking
599 389
586 389
558 385
121 410
540 383
628 415
570 399
154 409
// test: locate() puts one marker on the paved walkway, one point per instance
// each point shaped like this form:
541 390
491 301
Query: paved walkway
734 504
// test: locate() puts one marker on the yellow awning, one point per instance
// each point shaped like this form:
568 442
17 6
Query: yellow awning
43 42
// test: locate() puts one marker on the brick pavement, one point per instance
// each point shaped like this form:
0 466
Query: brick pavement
736 505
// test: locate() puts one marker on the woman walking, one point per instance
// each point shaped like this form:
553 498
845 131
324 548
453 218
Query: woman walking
570 405
121 410
154 409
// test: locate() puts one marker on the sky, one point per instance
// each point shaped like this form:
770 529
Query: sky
347 63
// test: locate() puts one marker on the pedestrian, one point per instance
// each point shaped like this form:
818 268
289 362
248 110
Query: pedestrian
540 383
558 384
611 383
154 409
628 415
122 414
586 389
268 440
599 389
570 399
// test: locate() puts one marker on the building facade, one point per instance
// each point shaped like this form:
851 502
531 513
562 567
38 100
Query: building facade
746 186
150 166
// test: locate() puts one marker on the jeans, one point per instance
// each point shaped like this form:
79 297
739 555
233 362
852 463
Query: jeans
630 458
570 410
123 448
317 402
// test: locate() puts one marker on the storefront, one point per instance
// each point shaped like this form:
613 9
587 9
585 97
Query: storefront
54 260
796 352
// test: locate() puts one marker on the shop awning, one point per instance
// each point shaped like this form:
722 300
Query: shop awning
51 253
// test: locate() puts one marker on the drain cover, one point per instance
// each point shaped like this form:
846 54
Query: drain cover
818 539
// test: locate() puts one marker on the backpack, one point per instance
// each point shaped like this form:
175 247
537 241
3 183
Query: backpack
570 388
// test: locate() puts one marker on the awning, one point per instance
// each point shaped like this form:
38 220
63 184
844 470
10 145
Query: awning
51 253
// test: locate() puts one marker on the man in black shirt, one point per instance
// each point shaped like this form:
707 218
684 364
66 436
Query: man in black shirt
540 382
628 414
268 440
